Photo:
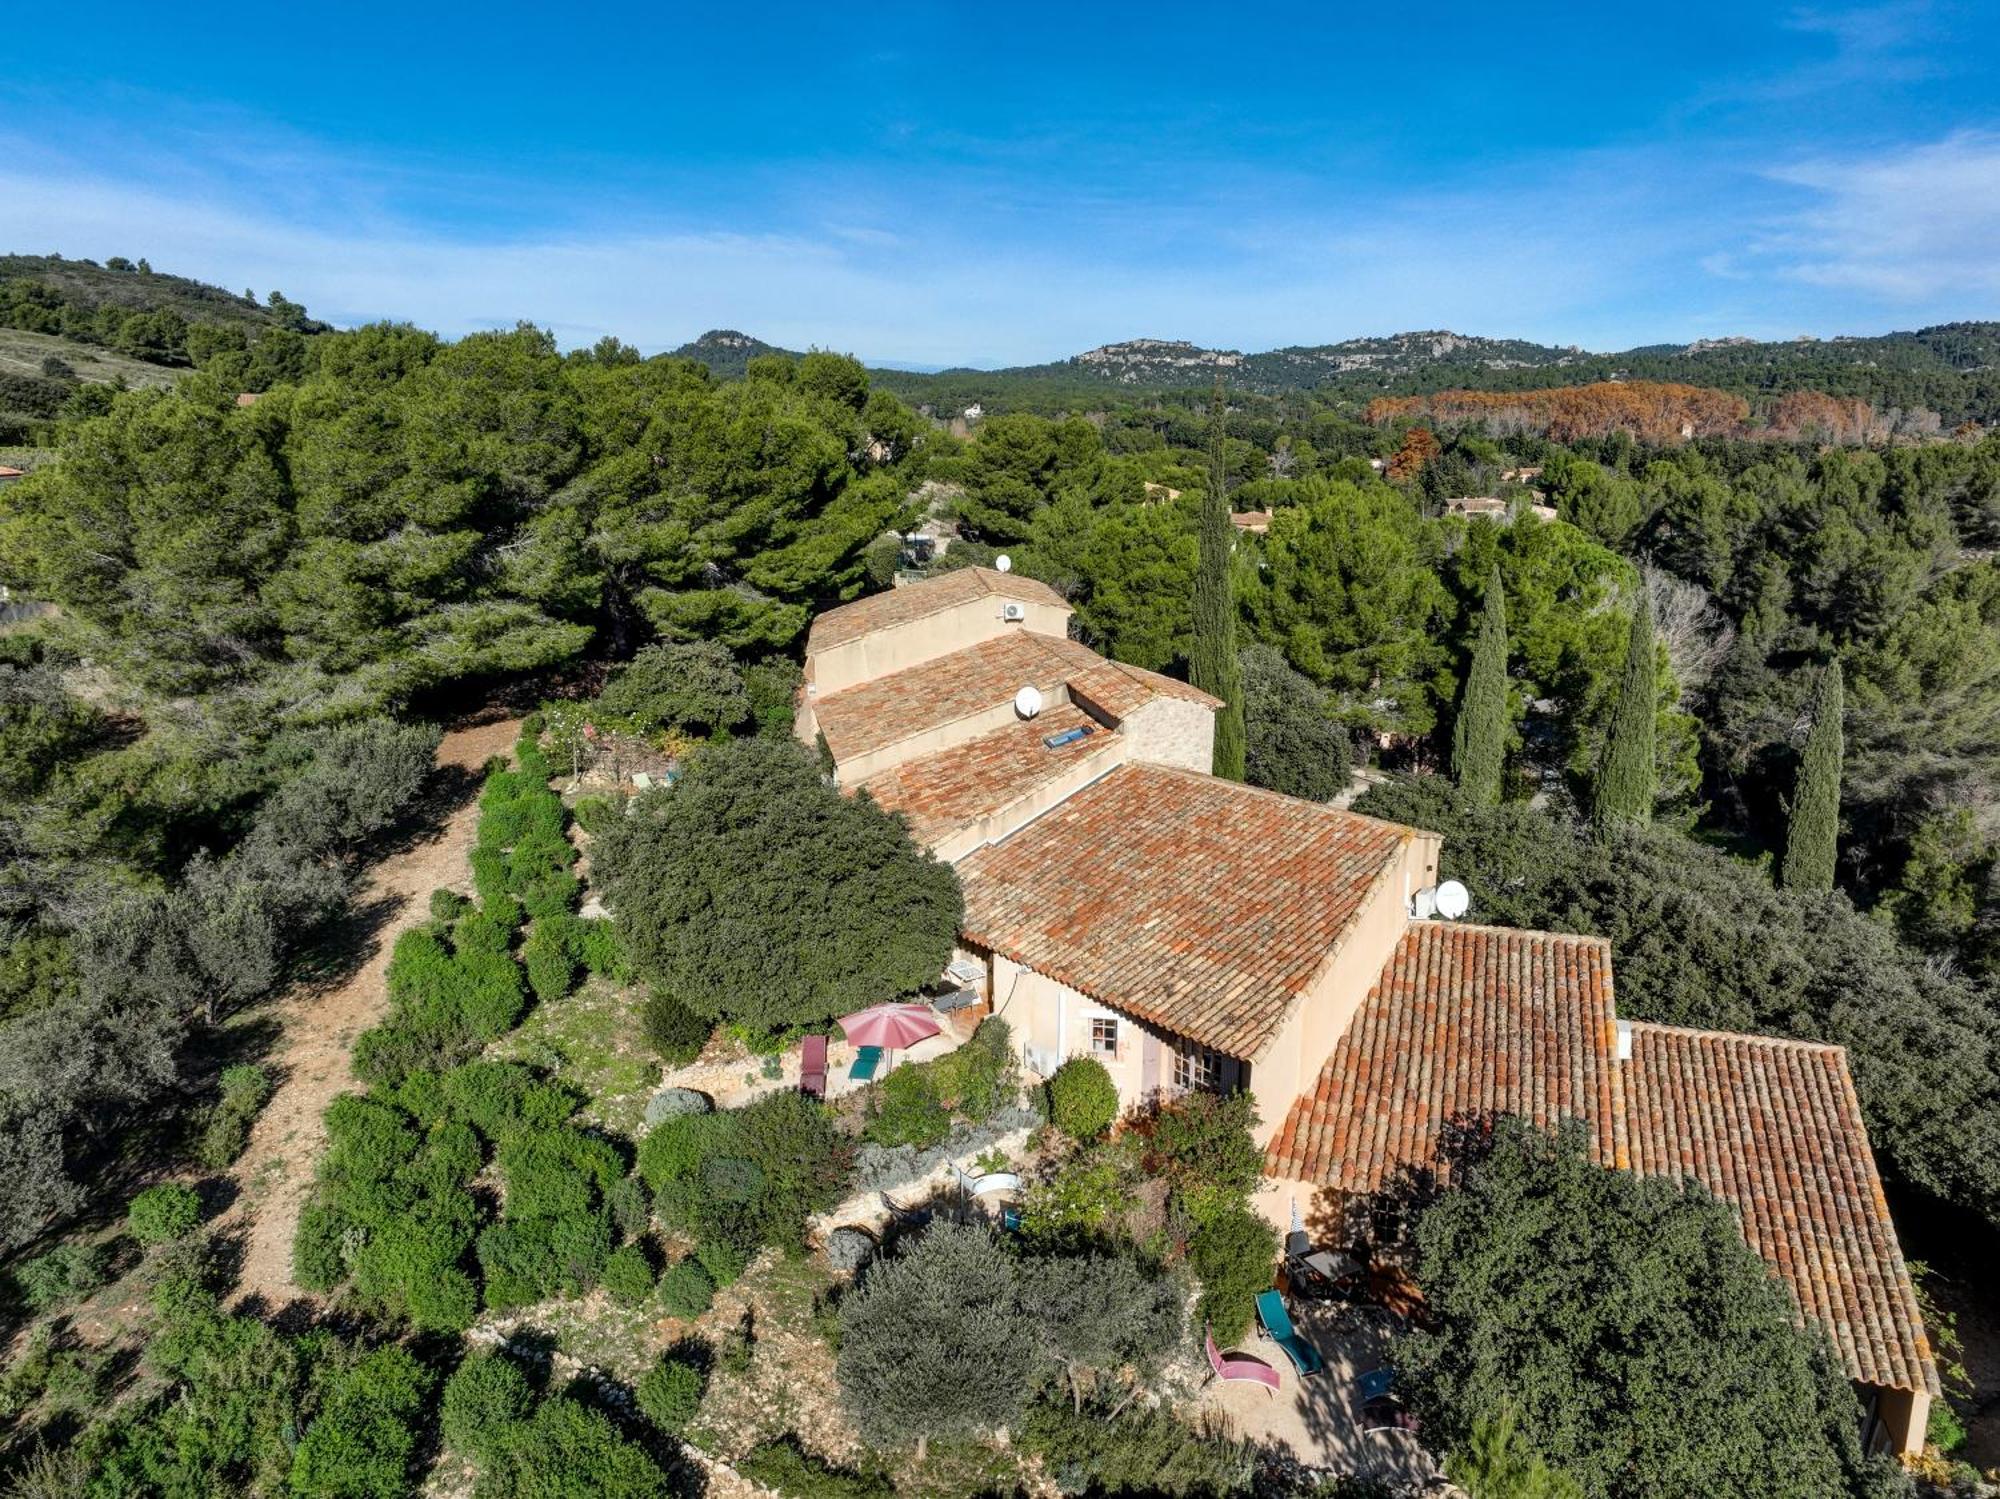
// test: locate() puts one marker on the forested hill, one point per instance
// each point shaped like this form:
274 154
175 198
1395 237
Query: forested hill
728 353
134 286
1953 369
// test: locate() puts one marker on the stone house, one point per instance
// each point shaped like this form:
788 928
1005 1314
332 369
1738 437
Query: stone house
1191 932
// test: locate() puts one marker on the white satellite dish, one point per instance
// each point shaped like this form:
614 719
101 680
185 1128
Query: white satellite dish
1003 563
1423 905
1028 701
1453 900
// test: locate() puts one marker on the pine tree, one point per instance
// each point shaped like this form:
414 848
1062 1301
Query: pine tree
1212 664
1813 834
1479 739
1627 776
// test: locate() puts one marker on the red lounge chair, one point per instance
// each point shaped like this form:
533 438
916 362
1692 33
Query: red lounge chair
1239 1366
812 1066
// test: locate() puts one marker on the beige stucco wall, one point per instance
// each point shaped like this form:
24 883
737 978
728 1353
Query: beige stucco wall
1292 1058
1905 1415
1172 731
880 652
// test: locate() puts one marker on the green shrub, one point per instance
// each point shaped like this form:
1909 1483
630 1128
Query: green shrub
596 813
486 1395
979 1077
673 1030
1082 1099
360 1444
723 1261
447 906
628 1275
670 1393
1142 1450
65 1273
164 1213
551 968
245 1090
786 1466
600 951
686 1290
904 1109
1233 1255
567 1450
488 1095
319 1260
517 1264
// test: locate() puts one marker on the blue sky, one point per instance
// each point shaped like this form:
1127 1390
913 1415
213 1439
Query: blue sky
1006 184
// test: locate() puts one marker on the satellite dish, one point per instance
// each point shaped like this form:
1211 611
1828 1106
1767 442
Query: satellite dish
1028 701
1423 905
1453 900
1003 563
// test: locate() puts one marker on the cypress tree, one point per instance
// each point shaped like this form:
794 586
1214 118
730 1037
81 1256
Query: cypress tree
1479 739
1812 836
1212 664
1627 776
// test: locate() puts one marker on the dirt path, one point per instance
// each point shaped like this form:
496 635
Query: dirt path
320 1021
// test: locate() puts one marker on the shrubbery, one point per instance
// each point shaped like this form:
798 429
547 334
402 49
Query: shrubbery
686 1290
1098 1450
555 1448
225 1133
1082 1099
1234 1254
65 1273
786 1466
164 1213
670 1392
673 1030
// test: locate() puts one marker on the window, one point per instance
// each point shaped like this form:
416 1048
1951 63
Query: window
1104 1036
1197 1067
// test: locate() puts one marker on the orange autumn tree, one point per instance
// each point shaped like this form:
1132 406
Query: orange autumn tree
1418 449
1651 410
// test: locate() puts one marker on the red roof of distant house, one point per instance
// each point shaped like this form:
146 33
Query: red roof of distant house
1252 520
247 398
1201 905
902 606
11 473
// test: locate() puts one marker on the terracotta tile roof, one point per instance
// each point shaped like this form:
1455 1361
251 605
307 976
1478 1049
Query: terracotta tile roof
1464 1021
1197 904
890 709
1774 1127
1251 520
940 793
901 606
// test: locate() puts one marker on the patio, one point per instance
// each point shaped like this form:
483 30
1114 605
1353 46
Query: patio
1317 1421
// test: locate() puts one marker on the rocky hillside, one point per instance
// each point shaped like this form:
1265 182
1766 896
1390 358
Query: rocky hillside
726 352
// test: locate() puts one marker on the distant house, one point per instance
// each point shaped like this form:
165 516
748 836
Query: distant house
9 475
974 412
1495 508
1193 933
1256 521
247 398
1377 464
1156 493
1521 475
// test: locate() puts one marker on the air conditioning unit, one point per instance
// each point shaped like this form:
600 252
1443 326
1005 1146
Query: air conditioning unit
1013 613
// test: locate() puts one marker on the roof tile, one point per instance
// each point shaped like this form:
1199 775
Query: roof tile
902 606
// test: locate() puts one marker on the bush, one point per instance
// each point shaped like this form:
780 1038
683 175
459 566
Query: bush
1292 743
448 905
484 1398
758 893
65 1273
1082 1099
784 1465
723 1261
673 1030
672 1103
692 685
903 1109
628 1275
161 1214
569 1451
551 967
670 1393
686 1290
245 1091
1142 1451
599 950
596 813
361 1443
1233 1255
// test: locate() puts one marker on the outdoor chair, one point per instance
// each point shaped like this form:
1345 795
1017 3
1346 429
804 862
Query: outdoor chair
867 1062
1388 1414
1376 1383
1277 1324
812 1067
1239 1365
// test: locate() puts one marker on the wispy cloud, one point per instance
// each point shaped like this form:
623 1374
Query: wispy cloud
1909 224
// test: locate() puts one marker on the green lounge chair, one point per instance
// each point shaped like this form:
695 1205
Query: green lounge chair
867 1062
1278 1327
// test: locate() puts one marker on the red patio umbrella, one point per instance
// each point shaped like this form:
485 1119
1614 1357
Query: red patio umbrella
893 1027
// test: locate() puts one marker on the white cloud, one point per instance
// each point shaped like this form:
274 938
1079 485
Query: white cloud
1908 225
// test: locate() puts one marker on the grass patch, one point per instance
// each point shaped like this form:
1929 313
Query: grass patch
593 1041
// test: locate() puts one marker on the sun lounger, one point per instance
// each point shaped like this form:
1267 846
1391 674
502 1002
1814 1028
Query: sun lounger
1239 1365
1376 1383
812 1066
1277 1323
867 1062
